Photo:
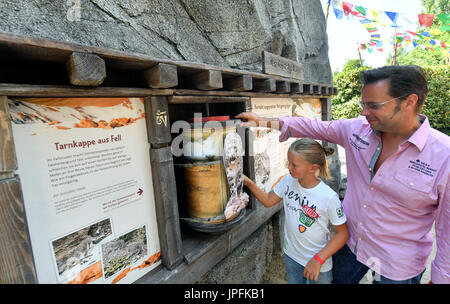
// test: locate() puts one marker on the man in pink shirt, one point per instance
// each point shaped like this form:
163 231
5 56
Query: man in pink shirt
398 179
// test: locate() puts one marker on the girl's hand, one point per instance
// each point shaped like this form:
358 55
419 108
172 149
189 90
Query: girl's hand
246 180
312 270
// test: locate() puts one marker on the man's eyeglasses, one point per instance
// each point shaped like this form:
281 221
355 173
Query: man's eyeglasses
377 105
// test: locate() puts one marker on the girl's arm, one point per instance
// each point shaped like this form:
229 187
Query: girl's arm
267 199
336 242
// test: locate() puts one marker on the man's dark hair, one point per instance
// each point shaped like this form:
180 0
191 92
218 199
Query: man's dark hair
403 80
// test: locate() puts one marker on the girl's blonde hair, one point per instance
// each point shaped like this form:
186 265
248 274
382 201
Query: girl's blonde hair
313 153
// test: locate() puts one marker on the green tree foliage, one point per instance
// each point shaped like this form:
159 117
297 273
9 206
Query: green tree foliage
346 103
437 104
436 7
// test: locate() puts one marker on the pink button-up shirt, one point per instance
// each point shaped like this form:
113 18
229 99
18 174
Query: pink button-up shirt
390 213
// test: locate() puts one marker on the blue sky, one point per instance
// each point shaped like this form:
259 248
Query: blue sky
343 34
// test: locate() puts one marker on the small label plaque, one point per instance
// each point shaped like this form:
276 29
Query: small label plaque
280 66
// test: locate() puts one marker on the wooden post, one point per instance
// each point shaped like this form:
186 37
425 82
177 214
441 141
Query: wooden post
167 215
359 54
326 16
86 69
158 124
161 76
16 258
394 57
163 177
326 108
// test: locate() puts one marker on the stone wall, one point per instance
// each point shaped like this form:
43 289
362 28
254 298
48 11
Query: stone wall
225 33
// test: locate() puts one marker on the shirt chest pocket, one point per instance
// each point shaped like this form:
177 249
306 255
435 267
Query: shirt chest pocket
413 191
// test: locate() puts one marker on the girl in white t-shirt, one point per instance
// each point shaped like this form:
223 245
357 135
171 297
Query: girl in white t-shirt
309 205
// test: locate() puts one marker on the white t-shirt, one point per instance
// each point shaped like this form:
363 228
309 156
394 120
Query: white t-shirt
308 214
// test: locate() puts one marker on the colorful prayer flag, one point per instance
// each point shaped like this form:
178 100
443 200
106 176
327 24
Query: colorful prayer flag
393 16
445 18
347 7
426 20
337 12
361 10
365 21
435 31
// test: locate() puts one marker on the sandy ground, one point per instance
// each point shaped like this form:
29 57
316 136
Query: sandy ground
276 273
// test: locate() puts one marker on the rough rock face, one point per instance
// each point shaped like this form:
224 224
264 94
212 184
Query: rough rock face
225 33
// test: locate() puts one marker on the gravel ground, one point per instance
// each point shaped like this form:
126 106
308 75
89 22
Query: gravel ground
276 273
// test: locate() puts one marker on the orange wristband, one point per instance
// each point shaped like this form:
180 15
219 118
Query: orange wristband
319 259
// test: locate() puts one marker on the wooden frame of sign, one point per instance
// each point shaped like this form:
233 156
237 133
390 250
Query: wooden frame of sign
34 67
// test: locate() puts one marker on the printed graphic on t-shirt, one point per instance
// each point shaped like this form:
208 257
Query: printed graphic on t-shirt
340 212
307 217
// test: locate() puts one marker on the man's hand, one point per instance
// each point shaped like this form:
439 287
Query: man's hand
249 119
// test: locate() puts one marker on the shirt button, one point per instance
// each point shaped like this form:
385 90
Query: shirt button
359 239
370 169
360 223
411 184
371 188
364 206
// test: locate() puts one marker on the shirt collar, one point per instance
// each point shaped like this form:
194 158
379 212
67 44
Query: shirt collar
419 137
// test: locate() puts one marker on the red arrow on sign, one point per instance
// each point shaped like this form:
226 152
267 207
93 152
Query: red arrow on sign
140 191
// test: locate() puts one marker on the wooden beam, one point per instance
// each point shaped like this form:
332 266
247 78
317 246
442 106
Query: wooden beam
316 89
307 88
205 99
283 86
161 76
166 204
239 83
12 89
158 124
326 108
296 88
86 69
8 161
208 80
16 258
265 85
